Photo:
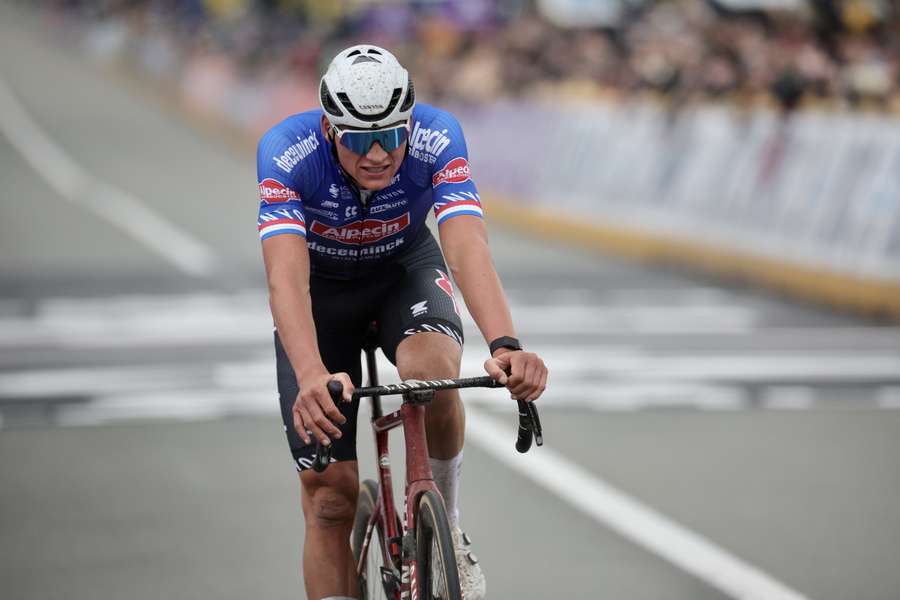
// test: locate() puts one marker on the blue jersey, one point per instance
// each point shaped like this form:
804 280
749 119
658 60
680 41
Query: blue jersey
303 191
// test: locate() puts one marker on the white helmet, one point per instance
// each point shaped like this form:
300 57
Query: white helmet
366 88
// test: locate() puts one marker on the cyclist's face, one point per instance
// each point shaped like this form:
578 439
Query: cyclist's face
374 169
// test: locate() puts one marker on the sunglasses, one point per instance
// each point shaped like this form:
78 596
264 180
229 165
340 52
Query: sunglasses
361 140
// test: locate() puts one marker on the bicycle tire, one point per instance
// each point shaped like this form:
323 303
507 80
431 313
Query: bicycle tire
437 574
371 586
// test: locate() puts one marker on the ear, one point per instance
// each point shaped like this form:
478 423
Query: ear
326 128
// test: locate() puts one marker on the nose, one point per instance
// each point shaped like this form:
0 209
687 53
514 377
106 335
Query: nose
376 153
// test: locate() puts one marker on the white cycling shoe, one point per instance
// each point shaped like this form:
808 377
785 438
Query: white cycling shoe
471 577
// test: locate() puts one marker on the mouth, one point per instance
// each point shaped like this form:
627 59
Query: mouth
375 171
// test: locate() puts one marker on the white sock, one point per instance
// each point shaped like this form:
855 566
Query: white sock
446 477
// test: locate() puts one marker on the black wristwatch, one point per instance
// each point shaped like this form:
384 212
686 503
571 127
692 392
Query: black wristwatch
505 342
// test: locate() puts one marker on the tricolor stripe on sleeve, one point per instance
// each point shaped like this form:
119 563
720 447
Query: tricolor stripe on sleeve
453 205
282 220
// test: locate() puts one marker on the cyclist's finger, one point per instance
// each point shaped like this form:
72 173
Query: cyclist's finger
324 423
345 380
518 381
493 368
530 375
542 385
298 426
301 418
536 372
329 408
313 427
515 376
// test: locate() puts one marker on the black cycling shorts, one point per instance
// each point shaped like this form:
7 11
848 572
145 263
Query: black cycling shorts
409 295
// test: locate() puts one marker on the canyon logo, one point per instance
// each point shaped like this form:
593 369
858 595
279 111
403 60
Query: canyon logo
362 232
272 191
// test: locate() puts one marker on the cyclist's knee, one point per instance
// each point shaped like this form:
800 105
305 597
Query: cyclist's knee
329 499
428 356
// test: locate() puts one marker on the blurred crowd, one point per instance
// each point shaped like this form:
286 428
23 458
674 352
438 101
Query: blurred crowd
841 54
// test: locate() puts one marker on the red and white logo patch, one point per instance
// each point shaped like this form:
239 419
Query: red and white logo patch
443 282
362 232
456 171
272 191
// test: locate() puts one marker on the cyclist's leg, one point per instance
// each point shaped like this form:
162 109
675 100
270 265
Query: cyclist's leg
329 507
422 334
328 499
427 355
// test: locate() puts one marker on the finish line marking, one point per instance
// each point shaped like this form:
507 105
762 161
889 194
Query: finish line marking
106 201
627 516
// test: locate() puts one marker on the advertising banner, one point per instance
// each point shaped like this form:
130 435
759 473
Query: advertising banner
811 188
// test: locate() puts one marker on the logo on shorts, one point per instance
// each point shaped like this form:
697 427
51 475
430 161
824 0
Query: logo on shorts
419 308
456 171
272 191
443 282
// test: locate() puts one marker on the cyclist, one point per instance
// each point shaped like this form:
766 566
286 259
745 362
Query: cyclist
344 195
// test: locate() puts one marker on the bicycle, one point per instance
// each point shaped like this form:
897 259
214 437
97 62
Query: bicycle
416 555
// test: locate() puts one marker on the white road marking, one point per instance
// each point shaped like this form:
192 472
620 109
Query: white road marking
634 317
623 378
146 321
629 396
106 201
242 318
93 381
627 516
111 391
178 405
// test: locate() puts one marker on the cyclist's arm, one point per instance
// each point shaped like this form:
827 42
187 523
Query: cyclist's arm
287 272
464 241
465 245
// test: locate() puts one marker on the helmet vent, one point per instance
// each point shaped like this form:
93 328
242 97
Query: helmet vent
328 103
354 53
410 97
364 59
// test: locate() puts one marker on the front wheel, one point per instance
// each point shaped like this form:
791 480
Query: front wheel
371 586
437 574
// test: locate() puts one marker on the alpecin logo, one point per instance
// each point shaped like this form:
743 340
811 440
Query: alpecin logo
362 232
456 171
272 191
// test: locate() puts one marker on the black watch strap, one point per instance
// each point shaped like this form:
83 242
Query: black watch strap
505 342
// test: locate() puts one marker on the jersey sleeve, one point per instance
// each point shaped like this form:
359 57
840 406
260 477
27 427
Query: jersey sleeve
454 192
280 205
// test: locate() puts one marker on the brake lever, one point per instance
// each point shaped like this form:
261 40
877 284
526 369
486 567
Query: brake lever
323 452
529 427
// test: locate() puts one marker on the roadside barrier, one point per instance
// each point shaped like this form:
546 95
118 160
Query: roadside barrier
808 203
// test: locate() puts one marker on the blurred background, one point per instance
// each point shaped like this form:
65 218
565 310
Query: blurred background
694 206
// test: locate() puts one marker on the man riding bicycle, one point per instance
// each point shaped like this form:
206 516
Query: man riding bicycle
344 195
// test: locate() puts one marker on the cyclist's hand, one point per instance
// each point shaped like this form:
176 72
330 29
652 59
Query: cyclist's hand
523 373
314 411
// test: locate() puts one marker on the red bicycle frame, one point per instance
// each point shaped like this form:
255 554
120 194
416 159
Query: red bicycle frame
411 415
398 576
